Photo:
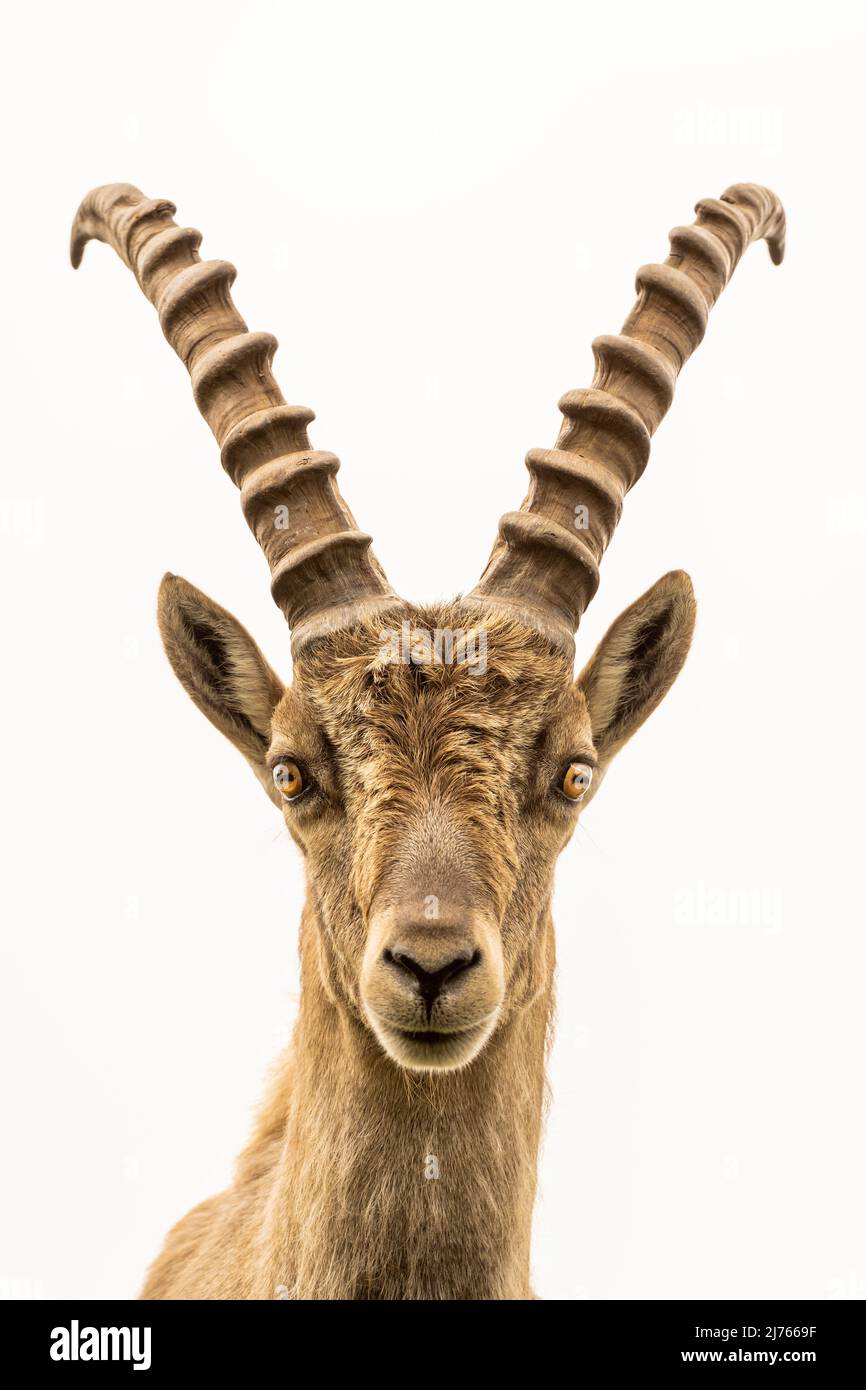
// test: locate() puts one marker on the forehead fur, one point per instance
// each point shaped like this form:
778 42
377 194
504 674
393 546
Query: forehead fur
506 678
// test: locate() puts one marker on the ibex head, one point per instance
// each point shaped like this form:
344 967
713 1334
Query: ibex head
430 763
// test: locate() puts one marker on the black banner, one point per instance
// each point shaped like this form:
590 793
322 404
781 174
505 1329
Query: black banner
155 1339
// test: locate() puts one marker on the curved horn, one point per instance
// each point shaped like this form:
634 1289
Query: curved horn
323 571
544 565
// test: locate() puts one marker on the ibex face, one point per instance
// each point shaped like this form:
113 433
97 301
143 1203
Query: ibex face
430 798
433 816
430 764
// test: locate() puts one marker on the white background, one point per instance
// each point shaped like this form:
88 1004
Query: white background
436 209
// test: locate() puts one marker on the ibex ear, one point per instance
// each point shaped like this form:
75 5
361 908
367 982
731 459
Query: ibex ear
637 661
221 669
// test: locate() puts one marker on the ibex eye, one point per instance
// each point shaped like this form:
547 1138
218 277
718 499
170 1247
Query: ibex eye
289 780
576 781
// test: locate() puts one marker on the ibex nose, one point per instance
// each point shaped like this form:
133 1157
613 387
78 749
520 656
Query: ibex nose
431 982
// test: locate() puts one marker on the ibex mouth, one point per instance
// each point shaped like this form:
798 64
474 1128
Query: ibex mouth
429 1049
432 1038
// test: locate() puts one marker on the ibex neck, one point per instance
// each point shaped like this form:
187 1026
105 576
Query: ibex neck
406 1185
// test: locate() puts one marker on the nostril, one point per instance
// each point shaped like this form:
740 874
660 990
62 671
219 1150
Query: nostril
432 982
460 964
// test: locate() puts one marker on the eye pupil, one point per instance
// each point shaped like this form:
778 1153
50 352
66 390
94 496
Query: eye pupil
289 780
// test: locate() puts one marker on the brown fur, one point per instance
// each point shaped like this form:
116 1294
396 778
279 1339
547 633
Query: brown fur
423 773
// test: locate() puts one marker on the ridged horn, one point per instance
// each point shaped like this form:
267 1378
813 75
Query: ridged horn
323 571
545 564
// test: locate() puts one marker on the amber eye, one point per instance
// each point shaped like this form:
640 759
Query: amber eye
289 780
575 783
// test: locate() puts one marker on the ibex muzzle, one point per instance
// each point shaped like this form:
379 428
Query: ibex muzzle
433 978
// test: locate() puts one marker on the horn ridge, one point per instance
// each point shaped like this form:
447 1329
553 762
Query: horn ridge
606 429
320 562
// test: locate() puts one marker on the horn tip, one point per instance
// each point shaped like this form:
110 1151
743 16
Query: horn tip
78 239
776 248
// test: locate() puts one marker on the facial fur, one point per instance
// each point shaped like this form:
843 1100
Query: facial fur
432 821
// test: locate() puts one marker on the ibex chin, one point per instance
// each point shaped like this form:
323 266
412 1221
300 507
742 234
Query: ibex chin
430 793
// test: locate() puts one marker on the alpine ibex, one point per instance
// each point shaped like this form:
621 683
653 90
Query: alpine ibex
430 795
